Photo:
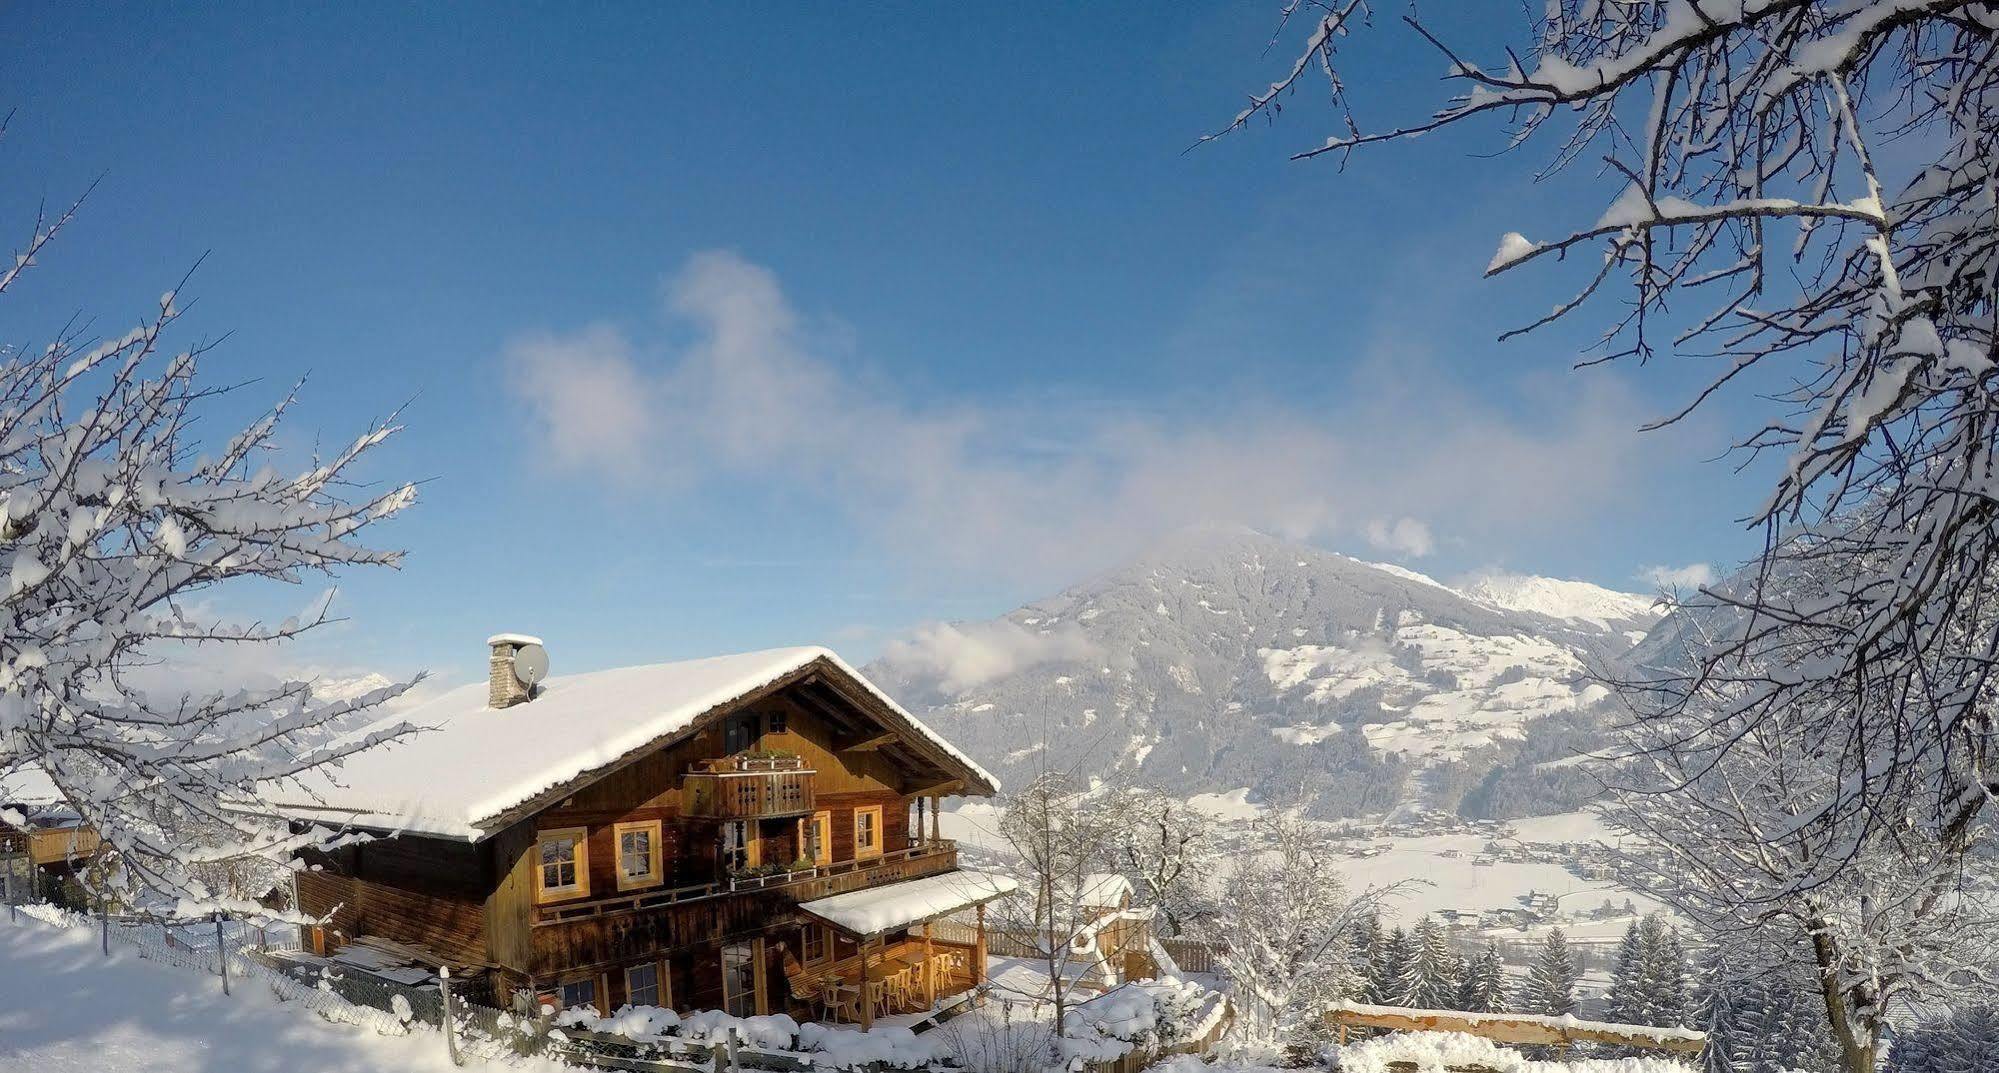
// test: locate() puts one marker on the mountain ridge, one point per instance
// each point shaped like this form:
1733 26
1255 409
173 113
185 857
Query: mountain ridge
1224 658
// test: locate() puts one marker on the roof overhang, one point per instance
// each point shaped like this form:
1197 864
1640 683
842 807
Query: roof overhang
874 911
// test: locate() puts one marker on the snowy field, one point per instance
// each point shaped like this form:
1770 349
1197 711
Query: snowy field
66 1008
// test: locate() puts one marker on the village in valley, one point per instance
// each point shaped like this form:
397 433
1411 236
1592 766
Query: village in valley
906 540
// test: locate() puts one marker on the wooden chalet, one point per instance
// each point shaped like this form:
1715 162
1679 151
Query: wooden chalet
755 833
47 841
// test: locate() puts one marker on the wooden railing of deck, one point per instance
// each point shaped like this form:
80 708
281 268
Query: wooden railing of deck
926 858
749 788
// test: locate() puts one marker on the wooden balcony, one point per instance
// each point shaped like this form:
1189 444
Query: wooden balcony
926 858
748 788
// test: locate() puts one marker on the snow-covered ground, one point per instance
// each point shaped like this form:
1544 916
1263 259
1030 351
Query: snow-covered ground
66 1008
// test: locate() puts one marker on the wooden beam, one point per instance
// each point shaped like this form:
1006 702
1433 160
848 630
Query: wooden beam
868 745
938 789
929 968
867 1001
979 950
1515 1028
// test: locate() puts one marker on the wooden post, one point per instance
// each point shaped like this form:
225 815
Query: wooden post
979 950
867 1003
929 969
919 822
221 954
104 916
450 1028
936 824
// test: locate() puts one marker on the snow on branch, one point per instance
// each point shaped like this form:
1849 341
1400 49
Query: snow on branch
112 526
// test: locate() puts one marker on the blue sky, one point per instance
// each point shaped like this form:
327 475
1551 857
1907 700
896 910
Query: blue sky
723 328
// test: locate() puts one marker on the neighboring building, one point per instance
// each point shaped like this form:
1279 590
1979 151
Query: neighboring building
49 841
728 833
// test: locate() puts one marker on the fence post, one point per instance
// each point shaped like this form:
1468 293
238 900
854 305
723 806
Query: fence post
221 954
104 919
450 1029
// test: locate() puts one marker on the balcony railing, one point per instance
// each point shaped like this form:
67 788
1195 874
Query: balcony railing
748 788
927 858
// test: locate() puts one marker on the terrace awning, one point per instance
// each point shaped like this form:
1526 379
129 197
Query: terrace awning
878 910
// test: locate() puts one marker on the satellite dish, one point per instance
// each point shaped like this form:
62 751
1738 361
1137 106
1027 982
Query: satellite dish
530 664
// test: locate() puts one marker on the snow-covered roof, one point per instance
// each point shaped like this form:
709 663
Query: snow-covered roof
1102 889
875 910
473 763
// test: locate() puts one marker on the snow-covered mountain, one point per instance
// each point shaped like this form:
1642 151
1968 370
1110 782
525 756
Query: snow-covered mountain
1226 658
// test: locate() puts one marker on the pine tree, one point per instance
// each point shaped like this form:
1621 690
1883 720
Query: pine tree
1663 975
1393 969
1964 1041
1433 976
1623 1002
1551 983
1484 986
1762 1010
1367 952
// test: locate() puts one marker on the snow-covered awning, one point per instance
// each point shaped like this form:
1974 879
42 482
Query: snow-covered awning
876 910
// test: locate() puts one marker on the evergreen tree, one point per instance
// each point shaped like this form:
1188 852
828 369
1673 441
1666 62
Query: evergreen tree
1622 1002
1663 975
1395 966
1964 1041
1551 983
1367 952
1433 976
1484 986
1763 1013
1649 984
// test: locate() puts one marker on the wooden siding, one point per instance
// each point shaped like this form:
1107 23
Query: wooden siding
452 928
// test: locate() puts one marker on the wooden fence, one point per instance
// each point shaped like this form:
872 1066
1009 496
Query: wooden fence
1514 1028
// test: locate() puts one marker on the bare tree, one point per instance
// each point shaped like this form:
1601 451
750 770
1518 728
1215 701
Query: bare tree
1170 848
1284 929
114 521
1064 833
1723 802
1823 169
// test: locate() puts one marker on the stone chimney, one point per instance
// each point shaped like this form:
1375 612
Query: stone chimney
504 689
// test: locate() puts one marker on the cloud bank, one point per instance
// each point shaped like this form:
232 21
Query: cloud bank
1677 578
759 395
959 657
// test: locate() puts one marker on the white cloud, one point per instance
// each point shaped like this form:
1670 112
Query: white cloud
959 657
1405 536
761 396
585 391
1671 578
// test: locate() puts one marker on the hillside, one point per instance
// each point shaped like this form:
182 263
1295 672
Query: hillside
1226 659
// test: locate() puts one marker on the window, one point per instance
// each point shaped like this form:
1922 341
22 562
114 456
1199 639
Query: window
812 944
642 985
739 980
777 721
579 993
739 733
868 832
739 846
817 846
638 854
562 864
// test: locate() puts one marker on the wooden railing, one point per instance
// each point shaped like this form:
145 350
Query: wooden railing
926 858
749 788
